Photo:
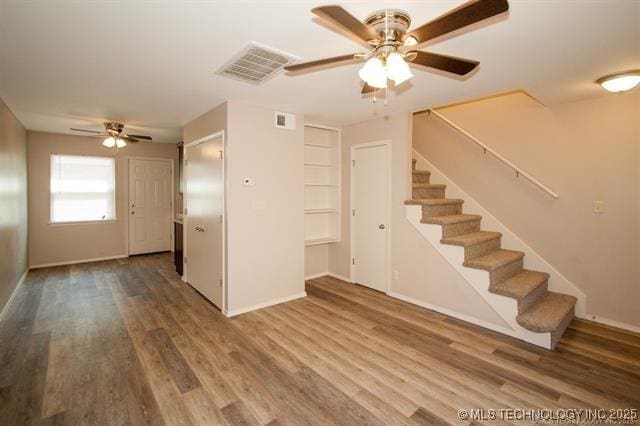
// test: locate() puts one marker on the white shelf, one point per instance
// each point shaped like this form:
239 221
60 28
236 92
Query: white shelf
316 211
316 241
322 185
333 166
319 146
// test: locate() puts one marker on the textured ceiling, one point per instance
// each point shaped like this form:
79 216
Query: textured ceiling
153 65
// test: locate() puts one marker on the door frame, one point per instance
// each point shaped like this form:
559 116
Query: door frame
185 217
126 198
352 218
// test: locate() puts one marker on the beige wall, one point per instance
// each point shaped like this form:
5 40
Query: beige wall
584 151
265 223
73 242
13 203
423 274
316 260
265 245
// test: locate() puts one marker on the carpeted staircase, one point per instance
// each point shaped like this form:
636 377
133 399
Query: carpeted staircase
539 310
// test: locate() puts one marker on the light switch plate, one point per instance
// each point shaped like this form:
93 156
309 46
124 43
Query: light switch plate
598 206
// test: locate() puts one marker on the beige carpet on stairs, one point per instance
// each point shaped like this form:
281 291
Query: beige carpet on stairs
539 310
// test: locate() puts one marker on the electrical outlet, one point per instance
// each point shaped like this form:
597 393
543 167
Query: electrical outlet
396 275
598 206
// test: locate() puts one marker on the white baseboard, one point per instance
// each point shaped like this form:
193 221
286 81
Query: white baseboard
318 275
339 277
454 314
239 311
13 293
74 262
613 323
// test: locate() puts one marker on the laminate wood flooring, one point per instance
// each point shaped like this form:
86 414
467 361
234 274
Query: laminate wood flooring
127 342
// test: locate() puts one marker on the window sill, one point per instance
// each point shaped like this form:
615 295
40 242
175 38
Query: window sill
87 222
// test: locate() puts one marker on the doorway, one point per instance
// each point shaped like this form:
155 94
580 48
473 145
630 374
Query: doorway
204 230
370 238
150 205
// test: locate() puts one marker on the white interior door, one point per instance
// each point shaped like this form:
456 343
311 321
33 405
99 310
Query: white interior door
204 201
149 206
370 199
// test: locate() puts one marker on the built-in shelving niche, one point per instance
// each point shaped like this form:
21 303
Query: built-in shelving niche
321 184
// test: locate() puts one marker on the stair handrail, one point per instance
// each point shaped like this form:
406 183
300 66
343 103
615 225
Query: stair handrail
485 148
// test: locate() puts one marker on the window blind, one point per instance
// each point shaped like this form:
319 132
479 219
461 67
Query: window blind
82 188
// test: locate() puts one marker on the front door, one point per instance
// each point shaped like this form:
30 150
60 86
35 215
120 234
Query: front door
204 229
150 206
371 216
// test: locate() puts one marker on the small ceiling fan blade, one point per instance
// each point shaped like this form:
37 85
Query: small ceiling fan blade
319 62
88 131
467 14
128 138
444 63
347 22
367 89
147 138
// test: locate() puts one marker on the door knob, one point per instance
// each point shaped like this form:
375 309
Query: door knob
381 226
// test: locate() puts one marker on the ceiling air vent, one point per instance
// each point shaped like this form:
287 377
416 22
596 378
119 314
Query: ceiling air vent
256 64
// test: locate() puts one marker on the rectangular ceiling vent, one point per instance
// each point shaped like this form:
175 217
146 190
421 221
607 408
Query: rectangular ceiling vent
256 64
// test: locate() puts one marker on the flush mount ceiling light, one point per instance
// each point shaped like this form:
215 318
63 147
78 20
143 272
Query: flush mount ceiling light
621 82
391 45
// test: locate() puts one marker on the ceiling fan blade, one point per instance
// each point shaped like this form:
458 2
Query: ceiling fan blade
128 138
319 62
367 89
148 138
444 63
467 14
88 131
347 22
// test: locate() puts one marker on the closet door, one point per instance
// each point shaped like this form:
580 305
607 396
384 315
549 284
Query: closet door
204 201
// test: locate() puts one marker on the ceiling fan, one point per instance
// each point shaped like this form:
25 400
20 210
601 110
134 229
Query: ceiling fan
385 33
114 136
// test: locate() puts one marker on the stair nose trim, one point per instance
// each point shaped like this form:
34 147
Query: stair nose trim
433 201
548 313
494 260
471 239
451 219
530 281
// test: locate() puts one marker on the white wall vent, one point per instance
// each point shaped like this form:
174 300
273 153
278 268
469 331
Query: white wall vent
256 64
285 120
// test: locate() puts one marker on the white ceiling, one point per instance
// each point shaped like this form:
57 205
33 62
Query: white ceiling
152 65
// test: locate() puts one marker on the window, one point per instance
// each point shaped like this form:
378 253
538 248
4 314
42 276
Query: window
82 188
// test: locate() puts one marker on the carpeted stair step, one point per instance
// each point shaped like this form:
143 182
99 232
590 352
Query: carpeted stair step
552 313
428 190
501 264
438 206
527 288
475 244
456 224
421 176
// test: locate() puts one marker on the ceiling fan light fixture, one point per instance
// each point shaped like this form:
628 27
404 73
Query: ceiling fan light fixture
120 143
397 68
618 83
109 142
374 73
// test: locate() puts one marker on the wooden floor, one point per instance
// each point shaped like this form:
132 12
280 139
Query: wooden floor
127 342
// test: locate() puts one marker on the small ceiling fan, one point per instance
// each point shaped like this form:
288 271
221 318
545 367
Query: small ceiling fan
385 33
114 136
